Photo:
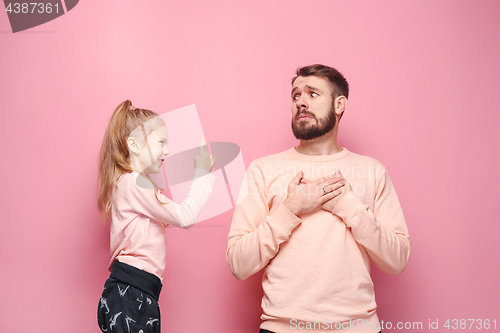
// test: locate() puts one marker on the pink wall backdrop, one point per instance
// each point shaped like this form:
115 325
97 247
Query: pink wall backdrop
424 79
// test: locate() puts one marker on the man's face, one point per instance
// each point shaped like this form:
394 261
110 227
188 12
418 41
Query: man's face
313 114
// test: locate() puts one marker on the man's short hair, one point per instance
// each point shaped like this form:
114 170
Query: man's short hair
338 81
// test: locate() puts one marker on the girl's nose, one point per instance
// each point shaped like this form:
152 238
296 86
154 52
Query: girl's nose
166 152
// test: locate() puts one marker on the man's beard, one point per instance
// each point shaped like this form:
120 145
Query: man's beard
305 131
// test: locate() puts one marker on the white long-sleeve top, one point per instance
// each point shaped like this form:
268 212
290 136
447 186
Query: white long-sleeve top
137 230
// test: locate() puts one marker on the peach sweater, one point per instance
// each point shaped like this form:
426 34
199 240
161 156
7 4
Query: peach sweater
317 266
137 233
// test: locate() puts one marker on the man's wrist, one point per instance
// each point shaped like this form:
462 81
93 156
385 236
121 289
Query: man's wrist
290 208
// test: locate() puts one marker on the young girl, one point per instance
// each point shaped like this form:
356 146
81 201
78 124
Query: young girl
135 145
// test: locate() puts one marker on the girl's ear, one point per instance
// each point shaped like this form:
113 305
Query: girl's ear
132 144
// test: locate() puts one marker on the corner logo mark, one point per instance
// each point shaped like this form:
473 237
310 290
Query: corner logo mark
28 14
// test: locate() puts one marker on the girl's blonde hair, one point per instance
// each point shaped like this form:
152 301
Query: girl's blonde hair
114 158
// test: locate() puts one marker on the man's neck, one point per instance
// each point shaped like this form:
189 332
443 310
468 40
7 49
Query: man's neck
324 145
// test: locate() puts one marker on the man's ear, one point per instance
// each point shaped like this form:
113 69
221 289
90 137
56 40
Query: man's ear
340 104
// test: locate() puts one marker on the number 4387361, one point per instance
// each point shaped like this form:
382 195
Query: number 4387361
463 324
32 7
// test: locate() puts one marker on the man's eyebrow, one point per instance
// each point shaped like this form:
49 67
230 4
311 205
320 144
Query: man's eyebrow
307 87
312 88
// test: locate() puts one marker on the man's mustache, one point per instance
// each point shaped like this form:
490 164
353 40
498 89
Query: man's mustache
305 112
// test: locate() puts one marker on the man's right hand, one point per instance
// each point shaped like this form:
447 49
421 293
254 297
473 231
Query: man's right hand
306 195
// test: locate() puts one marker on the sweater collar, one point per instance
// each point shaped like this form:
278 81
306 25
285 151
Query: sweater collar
319 158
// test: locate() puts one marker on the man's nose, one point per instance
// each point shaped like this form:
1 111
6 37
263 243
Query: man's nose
301 102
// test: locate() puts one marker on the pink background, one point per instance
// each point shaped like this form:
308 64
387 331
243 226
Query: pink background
424 79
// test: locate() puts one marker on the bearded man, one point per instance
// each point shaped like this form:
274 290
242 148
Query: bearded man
313 216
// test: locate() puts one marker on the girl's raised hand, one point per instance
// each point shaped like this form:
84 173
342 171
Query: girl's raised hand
204 160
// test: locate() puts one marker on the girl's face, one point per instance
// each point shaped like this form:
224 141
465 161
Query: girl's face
150 160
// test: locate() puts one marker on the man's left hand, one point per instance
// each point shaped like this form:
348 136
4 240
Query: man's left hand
330 204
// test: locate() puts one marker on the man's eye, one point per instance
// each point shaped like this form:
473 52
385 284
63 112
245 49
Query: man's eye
314 94
296 97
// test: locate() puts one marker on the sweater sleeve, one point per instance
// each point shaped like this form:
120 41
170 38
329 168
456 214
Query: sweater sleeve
256 234
383 232
183 215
